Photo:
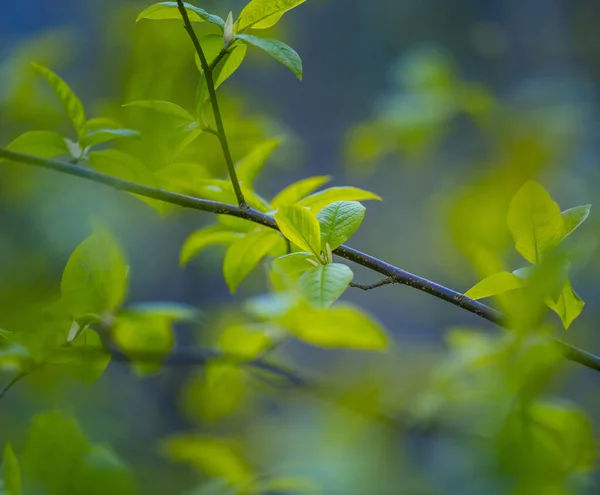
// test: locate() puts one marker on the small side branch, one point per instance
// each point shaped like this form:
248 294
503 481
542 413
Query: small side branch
381 283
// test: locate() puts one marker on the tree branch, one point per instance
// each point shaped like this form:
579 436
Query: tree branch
208 70
400 276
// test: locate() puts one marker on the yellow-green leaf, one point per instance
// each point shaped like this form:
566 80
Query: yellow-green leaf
247 342
250 166
164 107
324 284
301 227
95 277
262 14
245 253
535 222
203 238
298 190
67 97
339 221
169 10
568 305
574 217
11 471
45 144
495 284
292 266
214 456
320 199
94 138
343 326
278 50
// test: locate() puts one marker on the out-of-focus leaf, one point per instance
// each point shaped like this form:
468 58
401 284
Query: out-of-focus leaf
11 472
101 472
245 253
100 136
179 175
319 200
301 227
247 341
169 10
278 50
45 144
574 217
535 222
339 221
324 284
95 277
568 305
86 367
291 486
67 97
203 238
262 14
214 456
290 267
250 166
175 312
342 326
495 284
164 107
298 190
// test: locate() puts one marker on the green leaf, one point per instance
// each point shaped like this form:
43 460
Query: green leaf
574 217
203 238
294 264
324 284
169 10
100 136
191 133
339 221
45 144
164 107
247 342
250 166
11 471
245 253
301 227
568 305
216 457
343 326
179 175
295 192
278 50
95 277
222 190
262 14
69 100
101 472
83 366
495 284
320 199
535 222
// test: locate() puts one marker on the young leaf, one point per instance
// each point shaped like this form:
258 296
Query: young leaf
339 221
178 176
298 190
165 107
245 253
278 50
320 199
250 166
191 134
11 471
574 217
535 222
69 100
495 284
95 277
294 264
324 284
568 305
247 342
301 227
45 144
100 136
342 327
201 239
262 14
169 10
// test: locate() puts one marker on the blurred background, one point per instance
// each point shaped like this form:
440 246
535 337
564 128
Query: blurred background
444 109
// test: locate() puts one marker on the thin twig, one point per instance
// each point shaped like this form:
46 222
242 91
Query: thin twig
381 283
215 105
400 276
219 57
17 378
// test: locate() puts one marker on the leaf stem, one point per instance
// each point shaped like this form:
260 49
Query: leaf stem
400 276
208 70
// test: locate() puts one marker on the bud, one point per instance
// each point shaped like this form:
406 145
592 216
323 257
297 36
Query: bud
228 32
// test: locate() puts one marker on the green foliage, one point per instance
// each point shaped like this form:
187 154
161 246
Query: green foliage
262 14
339 221
324 284
45 144
11 472
164 107
301 227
